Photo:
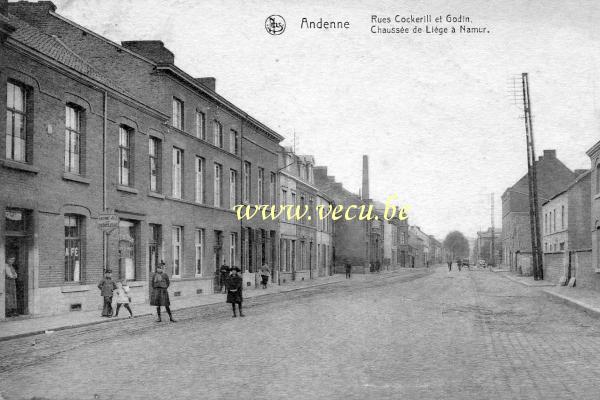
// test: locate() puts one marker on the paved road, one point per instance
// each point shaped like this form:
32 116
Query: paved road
446 335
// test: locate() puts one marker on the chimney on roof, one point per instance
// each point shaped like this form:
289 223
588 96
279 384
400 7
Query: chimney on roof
209 82
365 178
29 11
549 154
154 50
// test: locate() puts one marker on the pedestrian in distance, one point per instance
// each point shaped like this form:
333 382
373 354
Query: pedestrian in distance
459 264
377 266
449 266
348 268
265 272
160 294
107 287
223 275
123 297
234 290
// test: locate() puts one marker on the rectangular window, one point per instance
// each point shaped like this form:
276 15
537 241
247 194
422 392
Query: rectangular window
232 188
562 217
261 185
293 256
233 249
154 155
200 125
199 250
72 139
73 248
125 170
177 250
554 222
218 185
177 113
16 122
246 183
177 169
283 201
199 180
218 134
154 247
272 186
562 246
293 204
233 141
127 248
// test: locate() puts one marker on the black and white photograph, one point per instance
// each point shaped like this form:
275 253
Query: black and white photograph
270 199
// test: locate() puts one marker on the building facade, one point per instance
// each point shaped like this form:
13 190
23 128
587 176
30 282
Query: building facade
121 131
552 177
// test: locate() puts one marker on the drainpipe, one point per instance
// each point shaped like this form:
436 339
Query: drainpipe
104 178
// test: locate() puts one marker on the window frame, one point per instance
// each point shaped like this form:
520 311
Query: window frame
126 132
199 243
200 125
177 173
218 185
69 271
70 131
217 134
200 172
154 160
177 117
233 184
177 250
10 149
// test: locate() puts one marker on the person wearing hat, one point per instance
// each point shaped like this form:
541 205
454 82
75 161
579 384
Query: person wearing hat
107 286
265 272
223 274
234 290
10 286
160 295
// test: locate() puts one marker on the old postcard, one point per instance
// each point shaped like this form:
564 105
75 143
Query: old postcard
301 200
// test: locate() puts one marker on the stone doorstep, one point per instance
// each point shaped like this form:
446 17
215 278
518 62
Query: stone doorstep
32 326
571 300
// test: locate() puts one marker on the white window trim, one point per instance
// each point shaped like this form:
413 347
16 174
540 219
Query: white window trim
180 243
199 246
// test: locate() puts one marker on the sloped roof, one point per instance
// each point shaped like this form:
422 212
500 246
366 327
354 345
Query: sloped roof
53 48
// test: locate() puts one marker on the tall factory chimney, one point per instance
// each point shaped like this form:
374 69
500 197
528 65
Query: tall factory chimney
365 178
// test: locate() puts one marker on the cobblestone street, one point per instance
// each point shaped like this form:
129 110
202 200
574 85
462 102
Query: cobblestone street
411 335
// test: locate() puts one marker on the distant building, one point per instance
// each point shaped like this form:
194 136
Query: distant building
552 177
483 247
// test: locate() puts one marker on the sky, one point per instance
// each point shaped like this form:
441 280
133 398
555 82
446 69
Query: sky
433 112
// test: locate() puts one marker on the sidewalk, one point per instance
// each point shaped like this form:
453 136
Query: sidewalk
13 328
585 300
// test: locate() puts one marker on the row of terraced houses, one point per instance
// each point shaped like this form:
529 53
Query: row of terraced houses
101 130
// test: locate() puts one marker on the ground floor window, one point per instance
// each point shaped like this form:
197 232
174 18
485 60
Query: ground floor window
154 247
73 234
199 245
177 239
127 249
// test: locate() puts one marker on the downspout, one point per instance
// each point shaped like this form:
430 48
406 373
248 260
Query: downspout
104 178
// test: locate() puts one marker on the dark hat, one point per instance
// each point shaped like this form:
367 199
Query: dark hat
236 269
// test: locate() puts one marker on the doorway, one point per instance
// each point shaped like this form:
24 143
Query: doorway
16 289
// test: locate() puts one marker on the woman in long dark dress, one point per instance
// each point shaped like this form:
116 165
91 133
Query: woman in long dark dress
10 286
234 290
160 295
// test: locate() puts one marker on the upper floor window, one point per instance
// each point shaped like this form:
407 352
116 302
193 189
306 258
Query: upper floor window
233 141
261 186
232 188
154 156
218 134
199 180
272 186
16 122
218 185
246 183
177 172
177 113
72 139
200 125
125 153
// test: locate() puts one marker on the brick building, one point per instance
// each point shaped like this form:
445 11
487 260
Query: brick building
552 177
301 239
483 246
120 128
566 230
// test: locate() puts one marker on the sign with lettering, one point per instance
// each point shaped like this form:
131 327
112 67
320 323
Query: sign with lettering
108 221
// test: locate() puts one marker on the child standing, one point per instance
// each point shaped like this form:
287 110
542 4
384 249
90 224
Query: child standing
123 299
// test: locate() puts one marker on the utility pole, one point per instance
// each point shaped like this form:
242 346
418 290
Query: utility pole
536 249
493 257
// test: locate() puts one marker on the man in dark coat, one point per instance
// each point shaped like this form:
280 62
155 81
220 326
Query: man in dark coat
106 286
449 265
223 274
160 295
235 284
